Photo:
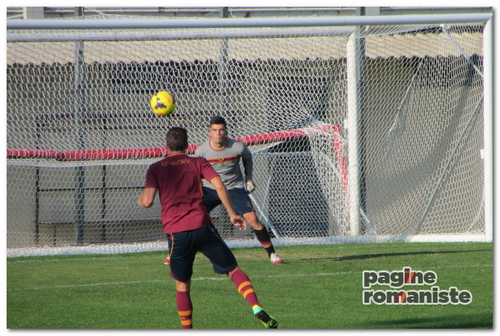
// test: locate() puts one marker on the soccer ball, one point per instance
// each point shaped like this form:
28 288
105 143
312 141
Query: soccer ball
163 103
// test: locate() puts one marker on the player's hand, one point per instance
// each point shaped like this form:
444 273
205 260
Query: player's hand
250 187
239 221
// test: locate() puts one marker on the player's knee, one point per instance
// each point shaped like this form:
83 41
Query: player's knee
230 273
252 219
182 286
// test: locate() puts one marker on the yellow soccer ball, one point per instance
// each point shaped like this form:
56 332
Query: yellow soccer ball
163 103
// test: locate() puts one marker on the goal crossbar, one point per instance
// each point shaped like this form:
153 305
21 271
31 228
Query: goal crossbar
250 22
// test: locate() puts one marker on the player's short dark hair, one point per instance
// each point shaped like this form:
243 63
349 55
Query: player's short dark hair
177 139
218 120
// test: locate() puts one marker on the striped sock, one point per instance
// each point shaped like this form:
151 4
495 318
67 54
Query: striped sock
245 288
265 240
185 309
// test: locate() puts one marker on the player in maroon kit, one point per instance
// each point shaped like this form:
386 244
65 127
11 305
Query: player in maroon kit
188 226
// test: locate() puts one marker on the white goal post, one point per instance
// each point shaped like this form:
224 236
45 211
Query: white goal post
363 129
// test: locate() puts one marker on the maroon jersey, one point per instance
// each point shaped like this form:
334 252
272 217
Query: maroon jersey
178 181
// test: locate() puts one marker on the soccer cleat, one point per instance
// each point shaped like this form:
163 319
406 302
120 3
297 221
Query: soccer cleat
167 261
275 258
268 321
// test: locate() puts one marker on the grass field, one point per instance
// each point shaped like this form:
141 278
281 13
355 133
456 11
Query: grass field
318 287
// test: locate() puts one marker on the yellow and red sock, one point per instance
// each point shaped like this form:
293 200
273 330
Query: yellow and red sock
245 287
185 309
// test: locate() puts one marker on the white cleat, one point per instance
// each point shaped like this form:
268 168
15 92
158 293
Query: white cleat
275 258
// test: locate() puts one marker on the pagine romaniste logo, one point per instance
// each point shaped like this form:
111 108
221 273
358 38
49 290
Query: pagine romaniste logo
400 294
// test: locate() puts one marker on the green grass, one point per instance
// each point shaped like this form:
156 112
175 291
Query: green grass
318 287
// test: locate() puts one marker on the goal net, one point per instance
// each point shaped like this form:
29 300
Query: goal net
358 133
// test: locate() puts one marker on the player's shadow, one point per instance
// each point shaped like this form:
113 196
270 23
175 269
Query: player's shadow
379 255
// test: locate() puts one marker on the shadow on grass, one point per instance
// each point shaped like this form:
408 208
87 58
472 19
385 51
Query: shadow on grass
395 254
482 321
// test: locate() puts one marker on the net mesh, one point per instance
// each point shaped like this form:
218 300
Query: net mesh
81 134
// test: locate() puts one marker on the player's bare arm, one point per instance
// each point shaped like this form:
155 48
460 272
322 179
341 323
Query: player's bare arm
226 201
146 199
